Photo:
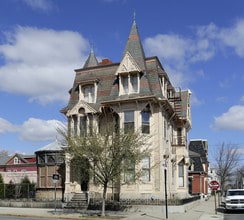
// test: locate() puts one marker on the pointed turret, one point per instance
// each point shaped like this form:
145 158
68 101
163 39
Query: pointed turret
91 60
134 46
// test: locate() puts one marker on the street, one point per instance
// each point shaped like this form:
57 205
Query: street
2 217
237 215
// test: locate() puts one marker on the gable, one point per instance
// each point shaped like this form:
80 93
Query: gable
128 64
81 105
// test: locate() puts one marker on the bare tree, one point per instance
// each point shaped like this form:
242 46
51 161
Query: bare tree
226 158
110 152
239 177
4 154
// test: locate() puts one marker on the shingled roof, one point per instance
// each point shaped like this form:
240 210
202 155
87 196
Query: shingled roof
91 60
134 47
104 74
198 152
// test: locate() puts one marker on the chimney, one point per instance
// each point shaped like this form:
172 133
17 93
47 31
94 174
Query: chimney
105 61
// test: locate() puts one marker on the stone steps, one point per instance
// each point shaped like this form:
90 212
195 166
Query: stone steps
78 201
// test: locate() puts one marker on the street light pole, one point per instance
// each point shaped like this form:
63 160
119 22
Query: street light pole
165 189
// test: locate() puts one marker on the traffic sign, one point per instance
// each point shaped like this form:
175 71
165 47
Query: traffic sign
214 185
55 178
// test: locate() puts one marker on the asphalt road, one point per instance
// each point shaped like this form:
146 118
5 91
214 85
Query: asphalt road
238 215
2 217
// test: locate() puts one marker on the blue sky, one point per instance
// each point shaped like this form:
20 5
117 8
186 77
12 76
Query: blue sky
199 43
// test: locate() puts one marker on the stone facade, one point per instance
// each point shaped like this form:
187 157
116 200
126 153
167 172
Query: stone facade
139 93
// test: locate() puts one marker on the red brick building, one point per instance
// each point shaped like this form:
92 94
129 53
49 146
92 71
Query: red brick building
198 171
18 166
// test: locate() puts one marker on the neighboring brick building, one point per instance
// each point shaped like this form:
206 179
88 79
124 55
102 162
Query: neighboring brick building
198 171
135 92
17 166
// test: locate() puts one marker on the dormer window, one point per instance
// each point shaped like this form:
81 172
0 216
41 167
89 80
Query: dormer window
124 81
129 75
129 83
163 84
89 93
134 83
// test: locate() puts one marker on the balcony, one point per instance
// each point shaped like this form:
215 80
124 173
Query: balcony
179 145
179 141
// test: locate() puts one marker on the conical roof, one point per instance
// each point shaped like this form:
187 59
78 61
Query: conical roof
134 46
54 146
91 60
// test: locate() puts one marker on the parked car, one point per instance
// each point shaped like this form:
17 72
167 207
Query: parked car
234 199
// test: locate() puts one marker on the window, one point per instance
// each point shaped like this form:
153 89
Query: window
83 126
16 160
129 172
75 123
89 93
145 118
179 136
41 159
129 83
51 159
173 175
90 117
165 127
125 84
146 176
134 83
181 174
128 121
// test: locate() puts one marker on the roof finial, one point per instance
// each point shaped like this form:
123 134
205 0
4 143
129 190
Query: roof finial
134 14
92 46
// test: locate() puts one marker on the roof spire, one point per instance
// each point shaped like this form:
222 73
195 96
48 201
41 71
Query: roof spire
134 15
91 60
134 46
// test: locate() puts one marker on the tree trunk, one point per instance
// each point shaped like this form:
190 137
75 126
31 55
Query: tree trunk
104 199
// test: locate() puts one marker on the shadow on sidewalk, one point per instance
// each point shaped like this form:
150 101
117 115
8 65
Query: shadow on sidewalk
154 217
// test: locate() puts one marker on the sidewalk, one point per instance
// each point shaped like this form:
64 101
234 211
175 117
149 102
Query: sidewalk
201 210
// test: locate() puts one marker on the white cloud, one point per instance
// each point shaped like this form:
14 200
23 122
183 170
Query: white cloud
171 47
230 120
33 129
44 5
6 126
39 130
39 63
179 53
234 36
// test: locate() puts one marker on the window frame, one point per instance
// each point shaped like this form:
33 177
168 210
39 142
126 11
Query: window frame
146 169
129 172
129 125
145 124
181 174
129 83
89 93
